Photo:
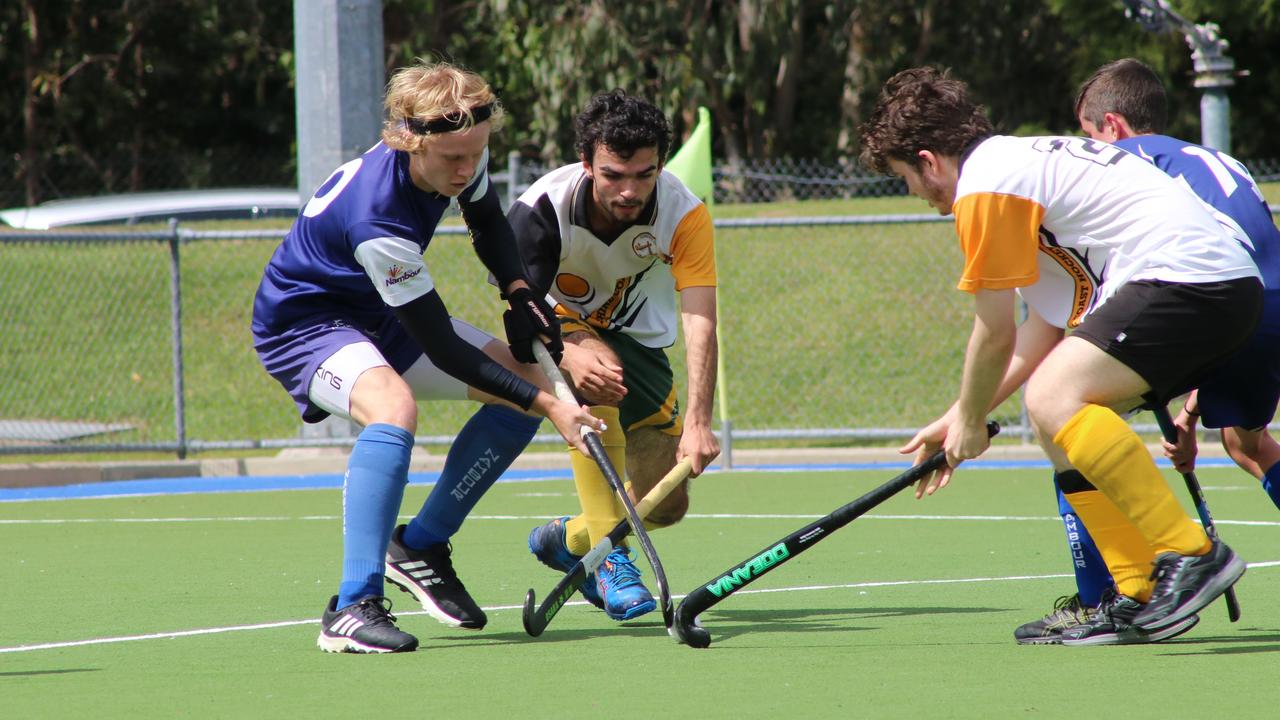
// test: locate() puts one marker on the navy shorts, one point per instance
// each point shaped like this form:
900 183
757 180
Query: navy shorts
1244 392
292 357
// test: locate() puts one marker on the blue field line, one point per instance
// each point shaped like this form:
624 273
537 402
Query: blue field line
331 481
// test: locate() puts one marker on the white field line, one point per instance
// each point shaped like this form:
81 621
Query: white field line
690 516
495 608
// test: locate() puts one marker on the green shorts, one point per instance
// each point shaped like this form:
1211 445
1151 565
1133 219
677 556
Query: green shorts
646 373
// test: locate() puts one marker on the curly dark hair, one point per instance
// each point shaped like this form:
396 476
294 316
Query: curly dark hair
1127 87
921 109
623 124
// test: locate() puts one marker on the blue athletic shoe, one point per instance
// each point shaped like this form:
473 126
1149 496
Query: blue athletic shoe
618 580
546 542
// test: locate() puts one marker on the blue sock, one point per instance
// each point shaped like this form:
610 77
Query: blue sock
1271 483
1092 575
485 448
371 493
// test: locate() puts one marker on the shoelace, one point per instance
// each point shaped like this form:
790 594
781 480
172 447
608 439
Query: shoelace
1165 572
375 610
624 572
441 562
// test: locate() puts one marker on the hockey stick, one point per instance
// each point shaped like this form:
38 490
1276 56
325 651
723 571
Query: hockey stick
739 576
592 440
1170 434
536 620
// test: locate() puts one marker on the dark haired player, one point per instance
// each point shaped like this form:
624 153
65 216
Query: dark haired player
613 239
1159 293
1124 103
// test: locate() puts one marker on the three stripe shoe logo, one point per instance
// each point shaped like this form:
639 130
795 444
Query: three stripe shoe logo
420 572
346 625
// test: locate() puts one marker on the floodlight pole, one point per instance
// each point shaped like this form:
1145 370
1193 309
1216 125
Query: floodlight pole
1214 70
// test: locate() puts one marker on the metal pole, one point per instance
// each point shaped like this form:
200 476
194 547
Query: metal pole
513 175
175 313
1214 70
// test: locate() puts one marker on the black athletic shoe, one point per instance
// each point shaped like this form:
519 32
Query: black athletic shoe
366 626
1112 624
1186 583
1068 612
428 576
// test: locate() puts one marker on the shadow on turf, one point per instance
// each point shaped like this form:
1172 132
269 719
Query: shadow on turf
29 673
725 624
1241 644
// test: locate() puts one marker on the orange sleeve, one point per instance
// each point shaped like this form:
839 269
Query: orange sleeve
693 250
999 235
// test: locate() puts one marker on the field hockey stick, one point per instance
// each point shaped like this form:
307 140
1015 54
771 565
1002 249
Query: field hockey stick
536 620
592 440
767 560
1170 433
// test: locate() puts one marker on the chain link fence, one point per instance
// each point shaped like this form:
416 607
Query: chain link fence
836 328
833 330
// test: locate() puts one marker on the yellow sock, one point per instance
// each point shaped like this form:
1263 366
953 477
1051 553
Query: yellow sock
601 508
1111 455
1127 554
576 537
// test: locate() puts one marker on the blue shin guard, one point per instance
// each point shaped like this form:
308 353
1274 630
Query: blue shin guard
1271 483
371 493
1092 576
485 448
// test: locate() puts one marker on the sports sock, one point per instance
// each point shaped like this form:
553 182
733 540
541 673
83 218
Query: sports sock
1092 576
486 446
1107 451
1126 554
1271 483
601 508
371 493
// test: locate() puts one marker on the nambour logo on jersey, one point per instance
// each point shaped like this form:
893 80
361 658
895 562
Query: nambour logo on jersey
397 274
750 570
646 245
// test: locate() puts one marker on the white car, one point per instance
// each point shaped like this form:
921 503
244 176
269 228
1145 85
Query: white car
133 208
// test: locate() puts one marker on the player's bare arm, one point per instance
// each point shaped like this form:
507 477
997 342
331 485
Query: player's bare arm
1035 338
1183 453
698 315
987 358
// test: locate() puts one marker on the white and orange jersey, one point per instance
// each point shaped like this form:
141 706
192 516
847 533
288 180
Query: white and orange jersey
1068 220
626 283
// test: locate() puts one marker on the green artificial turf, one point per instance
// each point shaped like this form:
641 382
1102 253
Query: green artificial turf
907 612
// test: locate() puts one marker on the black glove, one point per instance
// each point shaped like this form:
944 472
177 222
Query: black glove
529 317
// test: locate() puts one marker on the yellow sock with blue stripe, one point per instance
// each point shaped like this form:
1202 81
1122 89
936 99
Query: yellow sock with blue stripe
1127 554
601 508
1103 447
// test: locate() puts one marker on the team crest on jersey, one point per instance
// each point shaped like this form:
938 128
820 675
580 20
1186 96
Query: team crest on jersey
646 245
397 275
575 288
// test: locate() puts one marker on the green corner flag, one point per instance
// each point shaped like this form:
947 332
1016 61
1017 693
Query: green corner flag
692 164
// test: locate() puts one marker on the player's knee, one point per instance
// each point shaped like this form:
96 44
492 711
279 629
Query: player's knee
382 397
669 511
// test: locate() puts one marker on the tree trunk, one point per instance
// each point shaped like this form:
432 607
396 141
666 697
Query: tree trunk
787 84
29 162
855 78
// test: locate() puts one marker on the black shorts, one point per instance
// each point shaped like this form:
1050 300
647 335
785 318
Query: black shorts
1172 334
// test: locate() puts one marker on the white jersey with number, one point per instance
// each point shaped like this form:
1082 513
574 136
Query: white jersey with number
1068 220
626 283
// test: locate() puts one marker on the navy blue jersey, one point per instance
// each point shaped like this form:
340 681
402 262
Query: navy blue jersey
356 248
1226 185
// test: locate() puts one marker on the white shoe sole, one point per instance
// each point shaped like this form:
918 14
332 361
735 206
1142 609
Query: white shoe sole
405 583
1135 636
